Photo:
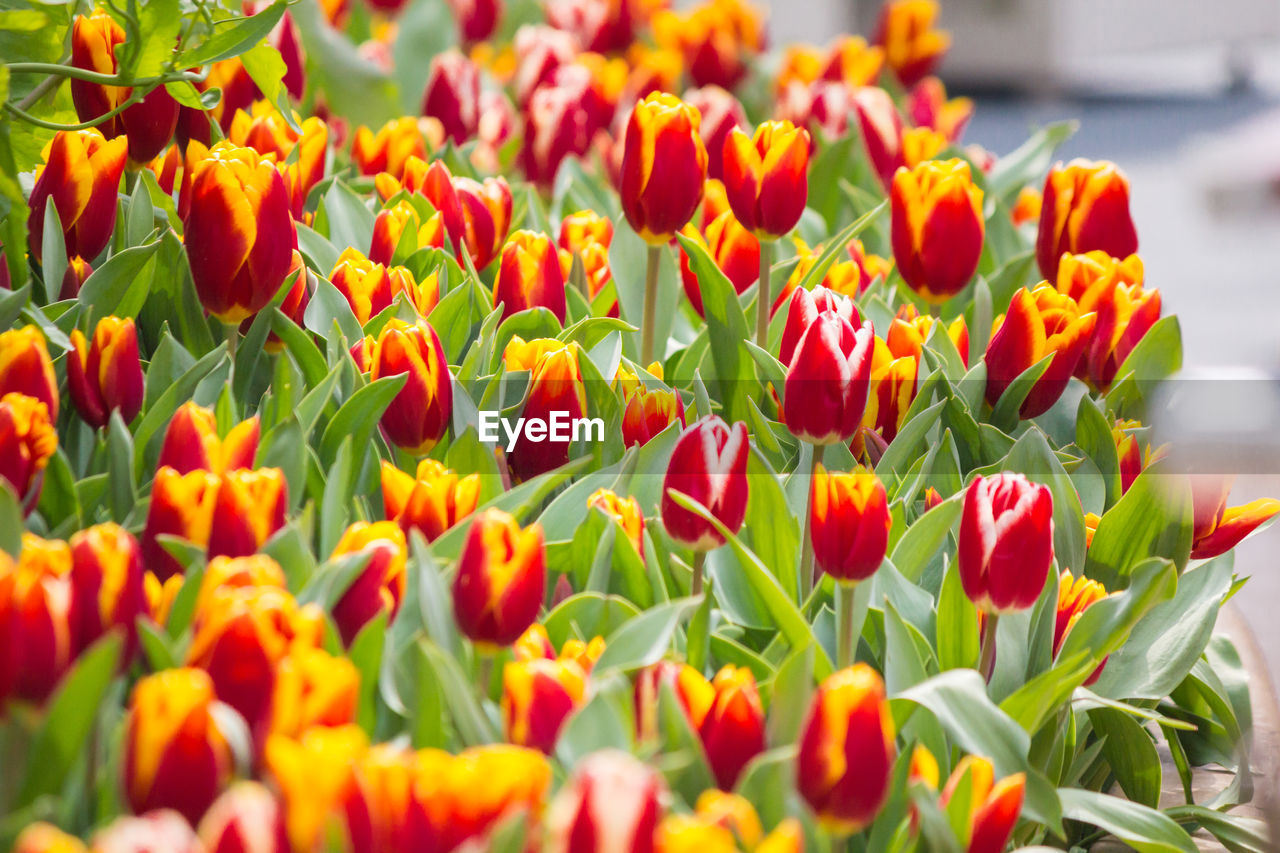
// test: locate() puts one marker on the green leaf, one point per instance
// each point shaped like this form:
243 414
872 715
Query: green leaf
366 653
1236 832
957 632
1131 753
644 639
358 417
924 539
11 523
726 324
120 286
1142 828
1157 356
1093 436
1153 519
836 246
266 68
473 726
1028 162
120 467
232 39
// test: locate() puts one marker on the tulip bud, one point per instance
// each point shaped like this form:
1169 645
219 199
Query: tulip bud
680 833
46 838
612 804
245 819
477 19
909 331
1125 314
597 25
380 585
1040 323
225 573
882 131
40 620
106 375
577 230
1085 207
266 130
766 177
453 95
892 390
181 505
734 812
853 62
694 693
846 751
928 106
250 507
319 792
81 173
715 38
709 464
501 579
390 148
486 216
1075 596
389 227
530 276
107 584
828 380
849 523
803 310
174 755
912 47
1005 542
732 732
159 831
25 367
539 51
937 228
1218 528
191 442
735 250
558 397
625 511
664 165
721 113
431 501
78 270
239 231
419 415
648 412
369 288
313 688
993 806
27 441
537 697
557 125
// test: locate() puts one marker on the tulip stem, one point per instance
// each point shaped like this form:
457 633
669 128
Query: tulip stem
233 338
650 305
805 585
987 657
699 559
763 300
845 629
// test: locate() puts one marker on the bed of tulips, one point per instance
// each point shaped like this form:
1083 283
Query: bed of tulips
832 522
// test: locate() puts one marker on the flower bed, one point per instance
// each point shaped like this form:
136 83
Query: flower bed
578 466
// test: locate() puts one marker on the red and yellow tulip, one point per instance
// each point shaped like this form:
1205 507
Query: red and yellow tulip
664 165
81 174
766 177
1085 207
420 414
105 375
27 442
379 586
912 47
431 500
530 276
501 579
849 523
938 227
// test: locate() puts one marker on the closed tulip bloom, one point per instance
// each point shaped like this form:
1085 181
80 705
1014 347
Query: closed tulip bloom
853 62
680 833
431 500
81 173
598 25
390 226
107 584
226 573
313 688
42 641
106 375
47 838
191 442
994 806
239 231
157 831
319 791
623 510
732 811
721 113
249 508
938 229
537 698
1005 542
1040 323
244 819
78 270
664 165
477 19
648 412
556 392
390 147
613 803
175 757
892 390
25 367
846 750
849 524
716 39
912 47
380 585
557 125
1085 207
909 331
692 690
501 579
27 441
530 276
803 309
928 106
1216 527
486 217
1126 312
1075 596
369 288
735 250
577 230
828 380
453 95
732 732
766 177
181 505
419 415
709 464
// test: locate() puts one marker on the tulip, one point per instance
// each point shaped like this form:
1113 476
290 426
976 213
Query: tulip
993 806
537 698
1218 528
81 173
313 688
1075 596
732 732
319 792
106 376
390 225
892 390
25 367
226 573
680 833
380 585
42 641
691 689
46 838
882 131
1040 323
912 47
530 276
735 250
648 412
453 95
625 511
239 232
822 106
181 505
937 229
556 389
716 39
853 62
107 584
266 130
477 19
27 442
828 380
249 508
293 306
1125 314
159 831
501 579
388 150
191 442
557 125
598 25
721 114
577 230
244 819
846 751
766 177
486 217
664 166
928 106
486 785
540 50
419 415
613 803
431 501
1085 207
803 310
77 272
734 812
849 523
1005 542
1026 207
369 288
709 464
175 757
909 331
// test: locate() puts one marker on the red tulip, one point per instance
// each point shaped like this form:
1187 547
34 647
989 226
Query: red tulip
803 311
709 464
501 579
612 804
849 523
828 380
530 276
453 95
1085 207
81 173
732 732
766 177
1005 542
106 376
664 166
721 114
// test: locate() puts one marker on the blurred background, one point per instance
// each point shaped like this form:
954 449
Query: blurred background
1185 96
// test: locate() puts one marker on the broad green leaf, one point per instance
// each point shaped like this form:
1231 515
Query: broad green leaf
1153 519
1142 828
644 639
